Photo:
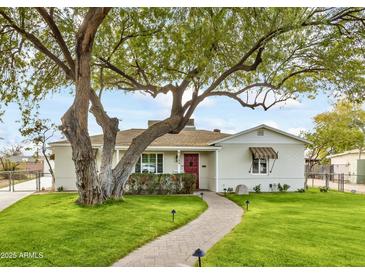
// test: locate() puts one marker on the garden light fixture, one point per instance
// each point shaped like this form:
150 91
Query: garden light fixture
247 203
201 194
199 253
173 212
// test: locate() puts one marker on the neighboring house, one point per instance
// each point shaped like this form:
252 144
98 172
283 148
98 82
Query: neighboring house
260 155
349 163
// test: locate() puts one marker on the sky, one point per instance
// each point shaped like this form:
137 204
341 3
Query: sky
135 109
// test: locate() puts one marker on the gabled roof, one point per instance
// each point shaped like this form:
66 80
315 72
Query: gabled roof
352 151
262 126
186 138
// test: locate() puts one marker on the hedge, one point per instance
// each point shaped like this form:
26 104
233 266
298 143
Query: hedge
147 183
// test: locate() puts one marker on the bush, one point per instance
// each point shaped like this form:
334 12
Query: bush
283 188
230 190
60 189
257 188
323 189
301 190
147 183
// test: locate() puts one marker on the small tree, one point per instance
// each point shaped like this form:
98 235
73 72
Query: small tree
39 132
336 131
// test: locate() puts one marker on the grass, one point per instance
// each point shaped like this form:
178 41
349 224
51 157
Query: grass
71 235
295 229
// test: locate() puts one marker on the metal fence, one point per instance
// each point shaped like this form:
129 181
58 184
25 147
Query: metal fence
22 180
337 181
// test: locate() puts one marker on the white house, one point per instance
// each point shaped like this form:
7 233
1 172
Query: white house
351 163
260 155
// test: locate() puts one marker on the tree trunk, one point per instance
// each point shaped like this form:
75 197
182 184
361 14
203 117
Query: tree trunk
125 166
53 188
75 120
110 130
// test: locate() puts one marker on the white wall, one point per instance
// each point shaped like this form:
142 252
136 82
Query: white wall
64 168
235 160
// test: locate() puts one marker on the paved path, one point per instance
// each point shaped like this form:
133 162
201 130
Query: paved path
22 190
176 247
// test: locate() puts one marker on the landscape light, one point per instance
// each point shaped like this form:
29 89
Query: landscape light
247 203
199 253
173 212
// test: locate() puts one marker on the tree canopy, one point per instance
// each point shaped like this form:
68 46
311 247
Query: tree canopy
338 130
255 56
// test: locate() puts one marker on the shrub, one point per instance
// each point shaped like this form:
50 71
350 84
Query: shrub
257 188
147 183
8 165
230 190
301 190
60 189
283 188
323 189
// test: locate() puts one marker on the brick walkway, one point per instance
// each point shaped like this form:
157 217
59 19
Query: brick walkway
176 247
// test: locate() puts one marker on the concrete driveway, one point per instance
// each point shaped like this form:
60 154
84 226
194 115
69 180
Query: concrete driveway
22 190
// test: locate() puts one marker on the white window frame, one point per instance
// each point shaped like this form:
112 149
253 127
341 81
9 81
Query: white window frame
260 173
155 153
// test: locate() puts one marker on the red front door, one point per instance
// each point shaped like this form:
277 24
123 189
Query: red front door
191 165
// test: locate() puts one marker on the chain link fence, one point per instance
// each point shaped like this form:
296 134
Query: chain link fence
22 180
337 181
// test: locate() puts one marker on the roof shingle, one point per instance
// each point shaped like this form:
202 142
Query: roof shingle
184 138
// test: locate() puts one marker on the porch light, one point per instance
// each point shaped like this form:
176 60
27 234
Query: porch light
173 212
199 253
247 202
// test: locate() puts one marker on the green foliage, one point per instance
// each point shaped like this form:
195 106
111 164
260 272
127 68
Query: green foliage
257 188
8 165
323 189
148 183
283 188
60 189
337 130
301 190
303 50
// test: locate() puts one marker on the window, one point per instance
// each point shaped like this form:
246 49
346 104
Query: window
259 166
260 132
150 163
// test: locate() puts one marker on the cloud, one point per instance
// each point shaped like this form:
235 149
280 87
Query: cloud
289 104
165 100
271 123
225 125
296 130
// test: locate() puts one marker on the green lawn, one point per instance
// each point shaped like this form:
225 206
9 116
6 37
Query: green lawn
295 229
71 235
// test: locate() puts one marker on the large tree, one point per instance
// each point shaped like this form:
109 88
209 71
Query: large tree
256 56
337 130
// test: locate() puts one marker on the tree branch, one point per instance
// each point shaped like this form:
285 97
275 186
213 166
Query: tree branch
58 37
38 45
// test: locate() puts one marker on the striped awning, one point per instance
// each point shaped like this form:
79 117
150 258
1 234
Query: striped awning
264 152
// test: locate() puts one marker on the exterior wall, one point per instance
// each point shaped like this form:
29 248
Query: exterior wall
65 171
349 163
235 161
64 168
